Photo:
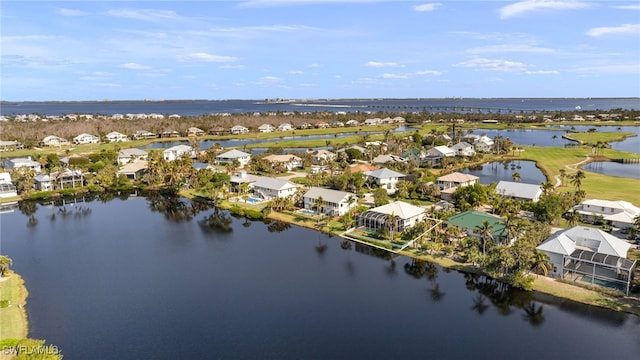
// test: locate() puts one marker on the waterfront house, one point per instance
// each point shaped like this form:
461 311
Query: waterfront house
25 163
43 182
59 180
469 222
441 151
143 134
589 255
268 188
53 140
115 136
388 159
242 177
177 152
168 133
289 161
285 127
7 189
305 125
86 139
483 144
134 170
128 155
456 179
352 122
519 191
266 128
218 130
463 149
10 145
194 131
238 129
334 202
619 214
322 156
385 178
231 155
322 125
397 216
373 122
415 154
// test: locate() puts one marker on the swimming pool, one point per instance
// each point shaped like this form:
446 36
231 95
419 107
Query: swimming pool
253 200
307 212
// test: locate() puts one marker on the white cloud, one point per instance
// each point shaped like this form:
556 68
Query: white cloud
627 7
625 29
378 64
296 72
276 3
394 76
542 72
315 65
427 7
493 65
509 48
145 14
134 66
207 57
70 12
230 66
522 7
610 69
364 81
428 73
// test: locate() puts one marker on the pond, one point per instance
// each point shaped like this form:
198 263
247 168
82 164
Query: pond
614 169
504 170
146 278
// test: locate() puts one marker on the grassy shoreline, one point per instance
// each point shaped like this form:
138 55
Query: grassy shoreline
13 319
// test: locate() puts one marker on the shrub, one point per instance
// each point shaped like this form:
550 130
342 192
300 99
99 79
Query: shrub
4 303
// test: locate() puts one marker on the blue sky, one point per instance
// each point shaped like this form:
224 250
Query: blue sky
299 49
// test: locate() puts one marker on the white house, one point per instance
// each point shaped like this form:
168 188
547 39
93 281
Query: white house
238 129
194 131
620 214
25 163
519 191
285 127
322 156
231 155
143 134
86 139
7 189
115 136
483 144
352 122
289 161
178 151
134 170
53 140
265 128
463 149
455 180
404 216
590 255
128 155
441 151
388 158
385 178
268 188
335 202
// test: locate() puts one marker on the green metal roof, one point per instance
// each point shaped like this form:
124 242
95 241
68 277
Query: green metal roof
473 220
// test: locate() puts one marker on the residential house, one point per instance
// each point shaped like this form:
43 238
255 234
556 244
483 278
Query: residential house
59 180
397 216
231 155
289 161
305 126
53 140
590 255
441 151
218 130
168 133
10 145
43 182
385 178
619 214
415 154
128 155
7 189
143 134
519 191
194 131
322 125
388 158
334 202
483 144
268 188
285 127
336 124
25 163
238 129
115 136
352 122
322 156
463 149
363 168
373 122
134 170
266 128
456 179
86 139
178 151
242 177
470 222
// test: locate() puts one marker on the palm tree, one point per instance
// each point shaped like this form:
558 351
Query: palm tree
5 263
576 179
486 232
515 176
319 204
541 264
572 217
563 175
547 187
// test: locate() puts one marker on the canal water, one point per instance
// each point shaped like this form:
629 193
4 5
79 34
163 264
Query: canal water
497 171
150 278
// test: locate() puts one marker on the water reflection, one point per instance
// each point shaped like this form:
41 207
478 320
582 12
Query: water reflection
533 314
614 169
219 221
493 172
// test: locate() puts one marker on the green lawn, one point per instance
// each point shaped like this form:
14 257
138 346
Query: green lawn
13 319
606 137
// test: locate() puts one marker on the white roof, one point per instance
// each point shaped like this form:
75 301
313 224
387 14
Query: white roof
384 173
520 190
232 154
273 183
131 152
622 205
329 195
444 149
399 208
458 177
582 237
5 177
180 148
